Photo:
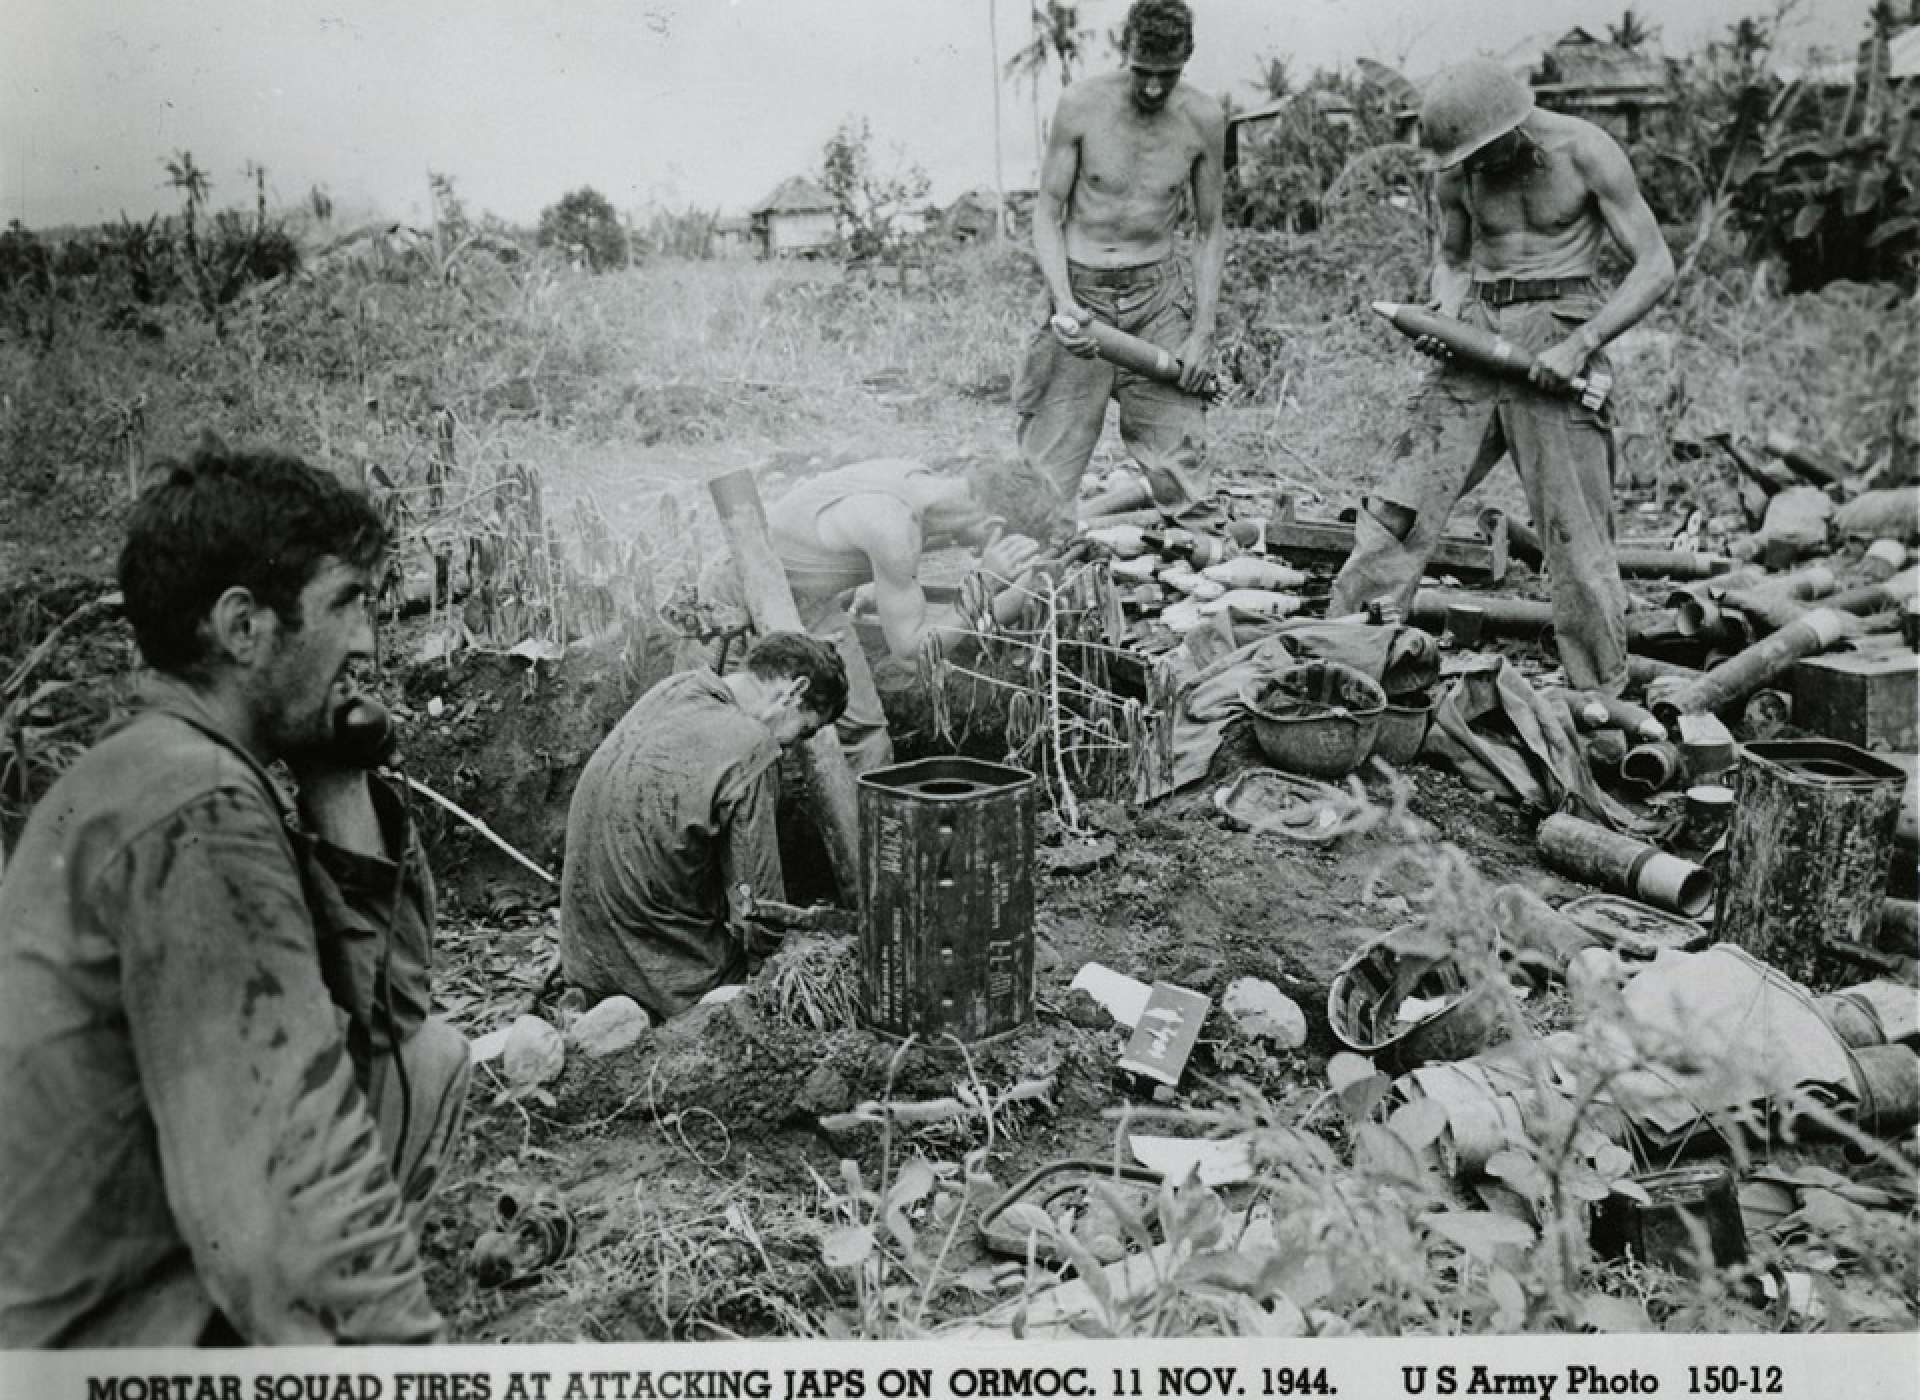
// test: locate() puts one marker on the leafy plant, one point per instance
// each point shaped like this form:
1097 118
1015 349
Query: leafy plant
1844 202
869 201
583 224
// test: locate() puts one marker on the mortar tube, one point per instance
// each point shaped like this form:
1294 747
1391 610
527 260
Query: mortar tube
1753 668
1642 669
1149 518
1624 865
1504 617
1814 581
1892 592
1746 576
1806 464
1652 767
1712 620
1666 563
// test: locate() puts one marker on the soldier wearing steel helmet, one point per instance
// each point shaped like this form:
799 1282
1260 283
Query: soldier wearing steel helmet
1527 200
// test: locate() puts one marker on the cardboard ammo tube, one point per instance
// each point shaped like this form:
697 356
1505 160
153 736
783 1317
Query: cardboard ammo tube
1624 865
1741 675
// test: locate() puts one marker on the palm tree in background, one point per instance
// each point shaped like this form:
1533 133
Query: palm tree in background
1275 78
1632 32
1058 37
192 182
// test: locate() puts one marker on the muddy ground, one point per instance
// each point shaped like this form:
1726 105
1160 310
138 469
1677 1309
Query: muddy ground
663 1152
699 1154
695 1166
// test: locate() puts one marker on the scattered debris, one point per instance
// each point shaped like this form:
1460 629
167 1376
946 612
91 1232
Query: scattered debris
1263 1012
1687 1210
1124 997
1210 1161
532 1232
1406 1009
1075 1197
1165 1035
1624 865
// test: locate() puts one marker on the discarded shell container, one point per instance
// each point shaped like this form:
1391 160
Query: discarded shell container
946 878
1887 1078
1653 767
1690 1207
1709 809
1765 714
1624 865
1807 852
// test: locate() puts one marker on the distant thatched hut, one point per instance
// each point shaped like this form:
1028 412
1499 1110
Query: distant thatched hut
796 220
1589 77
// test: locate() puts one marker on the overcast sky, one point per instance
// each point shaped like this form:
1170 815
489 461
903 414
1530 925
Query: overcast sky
710 102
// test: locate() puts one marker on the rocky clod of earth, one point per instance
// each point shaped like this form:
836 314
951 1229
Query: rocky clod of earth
1263 1012
614 1025
534 1053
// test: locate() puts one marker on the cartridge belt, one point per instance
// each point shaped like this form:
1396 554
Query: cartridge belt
1139 274
1509 290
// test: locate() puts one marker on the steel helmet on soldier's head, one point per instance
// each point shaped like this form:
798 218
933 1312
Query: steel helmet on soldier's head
1469 106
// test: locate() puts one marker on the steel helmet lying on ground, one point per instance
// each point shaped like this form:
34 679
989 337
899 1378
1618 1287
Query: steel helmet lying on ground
1469 106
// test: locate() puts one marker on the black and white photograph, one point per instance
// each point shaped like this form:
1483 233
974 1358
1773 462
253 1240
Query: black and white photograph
999 699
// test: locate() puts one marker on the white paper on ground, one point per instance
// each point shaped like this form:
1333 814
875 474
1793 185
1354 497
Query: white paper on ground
1124 997
1218 1161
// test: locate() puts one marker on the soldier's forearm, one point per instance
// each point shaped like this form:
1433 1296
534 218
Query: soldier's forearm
1209 258
1638 294
1450 286
1050 247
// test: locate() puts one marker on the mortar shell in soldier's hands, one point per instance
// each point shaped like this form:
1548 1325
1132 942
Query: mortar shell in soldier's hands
1116 347
1484 348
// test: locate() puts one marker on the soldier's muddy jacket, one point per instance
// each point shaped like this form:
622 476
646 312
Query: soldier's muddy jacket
187 984
674 809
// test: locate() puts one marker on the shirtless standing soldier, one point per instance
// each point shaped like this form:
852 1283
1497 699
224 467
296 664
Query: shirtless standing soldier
1123 152
1526 198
